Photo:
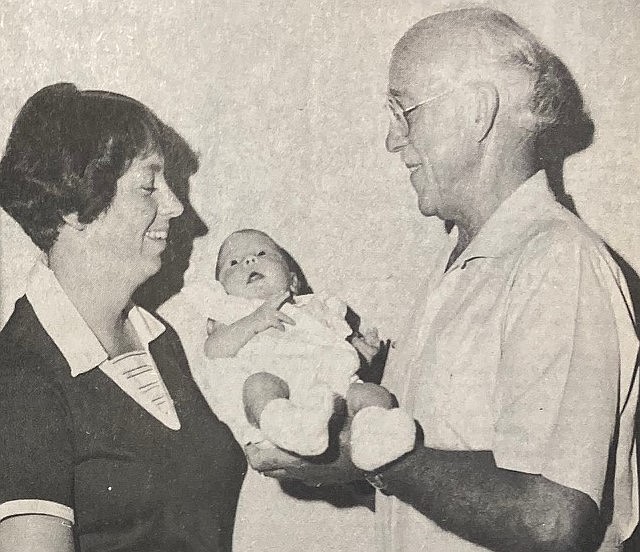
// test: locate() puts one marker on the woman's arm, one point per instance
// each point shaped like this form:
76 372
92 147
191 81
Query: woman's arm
36 533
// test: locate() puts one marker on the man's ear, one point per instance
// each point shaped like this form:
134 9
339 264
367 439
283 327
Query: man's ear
295 284
486 105
71 220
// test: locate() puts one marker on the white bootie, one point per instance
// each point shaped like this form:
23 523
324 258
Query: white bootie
295 428
380 436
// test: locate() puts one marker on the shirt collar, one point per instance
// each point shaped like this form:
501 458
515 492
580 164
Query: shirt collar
513 221
66 327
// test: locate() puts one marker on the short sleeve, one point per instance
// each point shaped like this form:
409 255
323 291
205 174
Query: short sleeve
36 476
559 374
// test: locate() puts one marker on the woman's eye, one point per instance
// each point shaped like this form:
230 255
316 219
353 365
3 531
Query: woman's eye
150 185
261 253
233 262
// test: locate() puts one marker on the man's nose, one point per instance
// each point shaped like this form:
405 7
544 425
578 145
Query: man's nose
395 140
250 259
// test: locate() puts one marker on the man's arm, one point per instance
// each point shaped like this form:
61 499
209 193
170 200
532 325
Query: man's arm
466 494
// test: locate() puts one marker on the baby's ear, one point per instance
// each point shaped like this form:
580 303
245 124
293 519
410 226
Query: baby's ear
294 287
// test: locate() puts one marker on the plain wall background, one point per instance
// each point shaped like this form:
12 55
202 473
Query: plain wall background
284 102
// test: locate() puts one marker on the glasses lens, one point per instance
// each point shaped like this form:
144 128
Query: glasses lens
398 120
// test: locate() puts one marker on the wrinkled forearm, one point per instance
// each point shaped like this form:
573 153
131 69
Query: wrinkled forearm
506 511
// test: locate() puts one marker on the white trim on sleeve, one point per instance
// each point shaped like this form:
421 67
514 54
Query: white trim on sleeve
35 506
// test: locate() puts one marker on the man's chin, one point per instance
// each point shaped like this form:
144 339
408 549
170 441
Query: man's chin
427 209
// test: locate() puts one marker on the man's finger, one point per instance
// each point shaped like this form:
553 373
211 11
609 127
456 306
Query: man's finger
286 319
277 474
211 326
270 459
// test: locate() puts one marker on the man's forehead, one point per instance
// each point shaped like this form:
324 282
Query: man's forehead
412 74
431 56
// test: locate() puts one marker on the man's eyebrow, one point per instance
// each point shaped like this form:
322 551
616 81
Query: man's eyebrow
156 167
395 93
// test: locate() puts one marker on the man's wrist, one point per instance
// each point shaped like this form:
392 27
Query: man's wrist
379 478
375 480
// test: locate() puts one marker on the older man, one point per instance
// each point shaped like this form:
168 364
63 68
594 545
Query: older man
519 364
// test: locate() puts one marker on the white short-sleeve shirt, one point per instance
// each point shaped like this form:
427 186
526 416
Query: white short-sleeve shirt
525 347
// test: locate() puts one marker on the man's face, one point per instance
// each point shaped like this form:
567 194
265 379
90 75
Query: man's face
427 129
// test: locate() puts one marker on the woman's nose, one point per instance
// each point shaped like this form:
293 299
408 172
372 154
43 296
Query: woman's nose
170 205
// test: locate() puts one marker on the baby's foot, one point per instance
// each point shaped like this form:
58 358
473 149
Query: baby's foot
295 428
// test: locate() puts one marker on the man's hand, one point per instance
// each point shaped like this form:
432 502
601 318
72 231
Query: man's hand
332 468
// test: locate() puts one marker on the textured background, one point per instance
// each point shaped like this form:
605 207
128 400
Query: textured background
283 100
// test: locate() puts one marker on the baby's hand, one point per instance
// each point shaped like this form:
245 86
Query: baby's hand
225 341
268 314
367 344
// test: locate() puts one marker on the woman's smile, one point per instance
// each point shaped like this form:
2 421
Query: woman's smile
158 235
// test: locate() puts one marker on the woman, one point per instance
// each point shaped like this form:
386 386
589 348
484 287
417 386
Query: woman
107 443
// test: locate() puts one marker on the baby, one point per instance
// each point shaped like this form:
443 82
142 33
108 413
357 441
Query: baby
288 367
314 345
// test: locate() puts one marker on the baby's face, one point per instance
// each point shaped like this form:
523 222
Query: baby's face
252 266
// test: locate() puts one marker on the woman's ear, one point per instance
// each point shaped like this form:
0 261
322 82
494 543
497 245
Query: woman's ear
71 220
486 105
294 287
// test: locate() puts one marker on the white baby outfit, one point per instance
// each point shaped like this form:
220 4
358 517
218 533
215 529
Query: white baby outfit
269 519
309 356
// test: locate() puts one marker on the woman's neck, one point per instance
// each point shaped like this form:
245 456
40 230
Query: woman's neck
102 298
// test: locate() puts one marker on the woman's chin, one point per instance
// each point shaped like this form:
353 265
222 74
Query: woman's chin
151 268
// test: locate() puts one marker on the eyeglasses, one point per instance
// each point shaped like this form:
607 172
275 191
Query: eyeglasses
399 114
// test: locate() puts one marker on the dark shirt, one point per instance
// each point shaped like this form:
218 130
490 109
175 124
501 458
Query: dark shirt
133 483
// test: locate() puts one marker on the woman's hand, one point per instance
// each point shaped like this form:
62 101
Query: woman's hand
280 464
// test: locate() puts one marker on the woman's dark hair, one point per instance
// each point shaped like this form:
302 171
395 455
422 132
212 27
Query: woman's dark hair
66 151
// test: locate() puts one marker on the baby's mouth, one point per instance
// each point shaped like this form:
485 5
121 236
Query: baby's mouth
254 277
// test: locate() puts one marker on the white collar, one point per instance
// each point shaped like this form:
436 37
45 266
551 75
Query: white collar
64 324
512 222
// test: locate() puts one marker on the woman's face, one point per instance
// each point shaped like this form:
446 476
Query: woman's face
132 233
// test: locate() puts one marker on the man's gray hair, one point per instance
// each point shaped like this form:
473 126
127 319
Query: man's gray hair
563 127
